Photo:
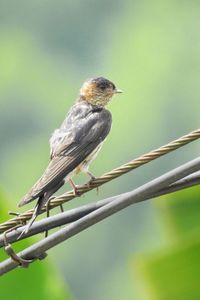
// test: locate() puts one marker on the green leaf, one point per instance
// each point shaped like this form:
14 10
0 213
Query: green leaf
40 281
173 273
180 211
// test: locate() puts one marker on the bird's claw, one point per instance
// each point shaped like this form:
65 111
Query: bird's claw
76 191
89 183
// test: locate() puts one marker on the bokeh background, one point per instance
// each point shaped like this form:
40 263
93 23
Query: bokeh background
150 50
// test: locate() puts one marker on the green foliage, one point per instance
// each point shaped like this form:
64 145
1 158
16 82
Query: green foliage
66 27
173 272
41 281
150 49
181 212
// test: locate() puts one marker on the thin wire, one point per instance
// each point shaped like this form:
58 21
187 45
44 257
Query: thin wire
74 214
141 160
38 250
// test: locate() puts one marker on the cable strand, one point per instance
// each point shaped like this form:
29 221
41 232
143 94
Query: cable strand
127 167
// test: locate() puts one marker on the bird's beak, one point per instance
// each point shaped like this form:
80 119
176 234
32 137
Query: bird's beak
117 91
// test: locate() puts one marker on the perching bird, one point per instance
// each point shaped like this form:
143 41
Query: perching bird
76 143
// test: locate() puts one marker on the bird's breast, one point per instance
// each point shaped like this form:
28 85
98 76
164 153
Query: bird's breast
84 165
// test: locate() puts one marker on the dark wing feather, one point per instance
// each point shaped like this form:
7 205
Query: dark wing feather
87 134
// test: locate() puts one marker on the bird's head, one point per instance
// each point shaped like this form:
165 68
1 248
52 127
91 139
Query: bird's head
98 91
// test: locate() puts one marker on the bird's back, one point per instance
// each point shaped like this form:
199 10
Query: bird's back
83 129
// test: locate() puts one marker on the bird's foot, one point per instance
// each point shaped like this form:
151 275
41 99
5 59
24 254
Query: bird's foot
76 191
92 177
89 183
75 188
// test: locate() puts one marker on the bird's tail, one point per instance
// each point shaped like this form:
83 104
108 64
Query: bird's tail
40 203
26 199
33 194
42 194
43 199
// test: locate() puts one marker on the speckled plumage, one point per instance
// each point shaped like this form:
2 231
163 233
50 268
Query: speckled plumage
76 143
84 128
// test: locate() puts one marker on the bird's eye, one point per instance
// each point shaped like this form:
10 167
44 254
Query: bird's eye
103 86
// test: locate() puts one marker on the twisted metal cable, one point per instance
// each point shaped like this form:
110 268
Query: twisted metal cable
75 214
135 163
39 249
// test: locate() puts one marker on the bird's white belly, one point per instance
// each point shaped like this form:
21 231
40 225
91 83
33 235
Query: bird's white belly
84 166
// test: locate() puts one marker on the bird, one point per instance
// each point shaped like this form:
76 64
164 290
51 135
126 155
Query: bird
76 143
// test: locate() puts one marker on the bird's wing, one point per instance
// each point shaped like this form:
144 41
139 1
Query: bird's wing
86 134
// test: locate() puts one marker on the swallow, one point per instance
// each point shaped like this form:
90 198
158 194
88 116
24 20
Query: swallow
76 143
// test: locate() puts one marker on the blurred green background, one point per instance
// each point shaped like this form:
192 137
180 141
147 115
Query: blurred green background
150 50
